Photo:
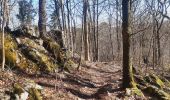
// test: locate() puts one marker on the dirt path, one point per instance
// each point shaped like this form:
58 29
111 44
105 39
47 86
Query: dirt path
94 81
101 81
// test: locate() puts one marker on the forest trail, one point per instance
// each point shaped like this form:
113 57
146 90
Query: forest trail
94 81
99 80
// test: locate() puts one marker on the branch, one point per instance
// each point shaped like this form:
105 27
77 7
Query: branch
139 31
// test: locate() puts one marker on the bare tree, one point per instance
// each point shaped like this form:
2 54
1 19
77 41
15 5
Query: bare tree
4 7
126 31
85 29
42 18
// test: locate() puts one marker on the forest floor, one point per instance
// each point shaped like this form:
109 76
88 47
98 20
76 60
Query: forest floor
99 80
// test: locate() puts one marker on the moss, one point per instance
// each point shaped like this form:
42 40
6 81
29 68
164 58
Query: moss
44 62
27 65
34 94
154 80
17 89
156 92
31 43
166 82
137 92
52 47
47 62
132 83
10 50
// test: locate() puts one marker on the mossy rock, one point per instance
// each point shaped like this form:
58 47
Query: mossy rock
52 47
27 65
34 94
11 55
17 89
43 60
156 92
70 66
26 31
154 80
28 90
166 82
33 44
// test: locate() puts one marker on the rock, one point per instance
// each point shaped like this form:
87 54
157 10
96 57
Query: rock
128 92
33 44
11 53
156 92
26 31
28 90
154 80
34 55
52 47
22 96
4 96
57 36
31 84
43 60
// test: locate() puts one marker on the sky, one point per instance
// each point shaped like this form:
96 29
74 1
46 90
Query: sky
102 18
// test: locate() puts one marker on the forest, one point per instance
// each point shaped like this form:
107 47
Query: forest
84 50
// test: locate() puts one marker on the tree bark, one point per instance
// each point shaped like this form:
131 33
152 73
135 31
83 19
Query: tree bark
42 18
86 42
117 28
3 31
126 31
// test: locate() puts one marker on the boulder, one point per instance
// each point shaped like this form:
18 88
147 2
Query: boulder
28 90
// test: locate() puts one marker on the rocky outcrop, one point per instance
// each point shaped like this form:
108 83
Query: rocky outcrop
153 85
31 54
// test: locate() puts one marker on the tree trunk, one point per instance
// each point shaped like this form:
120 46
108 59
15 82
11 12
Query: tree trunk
126 31
42 18
3 31
97 32
117 28
86 42
57 11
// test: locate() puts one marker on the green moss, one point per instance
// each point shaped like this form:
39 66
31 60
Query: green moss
132 83
10 50
27 65
52 47
17 89
34 94
47 62
137 92
154 80
157 80
42 60
31 43
156 92
166 82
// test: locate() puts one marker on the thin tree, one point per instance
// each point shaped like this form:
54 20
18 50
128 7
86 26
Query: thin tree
4 4
85 30
42 18
55 22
